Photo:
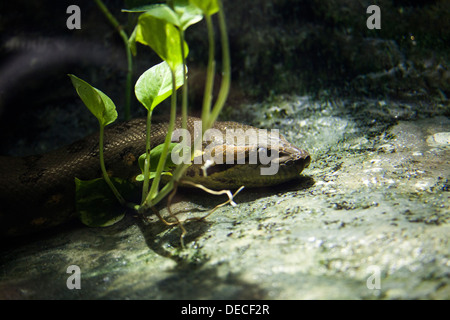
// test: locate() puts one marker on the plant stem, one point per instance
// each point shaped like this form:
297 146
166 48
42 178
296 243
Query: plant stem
162 159
180 169
102 165
127 113
207 95
124 36
223 94
161 195
147 158
208 116
226 68
184 101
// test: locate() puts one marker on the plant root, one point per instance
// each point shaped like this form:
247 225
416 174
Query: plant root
179 222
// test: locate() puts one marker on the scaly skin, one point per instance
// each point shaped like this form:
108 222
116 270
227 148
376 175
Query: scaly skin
38 192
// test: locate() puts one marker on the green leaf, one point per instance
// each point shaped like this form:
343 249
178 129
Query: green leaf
162 36
209 7
152 174
155 84
188 13
165 13
101 106
96 204
185 15
155 154
143 8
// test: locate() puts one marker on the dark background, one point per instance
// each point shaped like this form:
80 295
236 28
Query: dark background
315 47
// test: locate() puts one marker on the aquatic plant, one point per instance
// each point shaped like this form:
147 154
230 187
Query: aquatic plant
162 28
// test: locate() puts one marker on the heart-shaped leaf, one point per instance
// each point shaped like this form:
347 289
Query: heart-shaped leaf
209 7
188 13
162 36
96 204
155 84
101 106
